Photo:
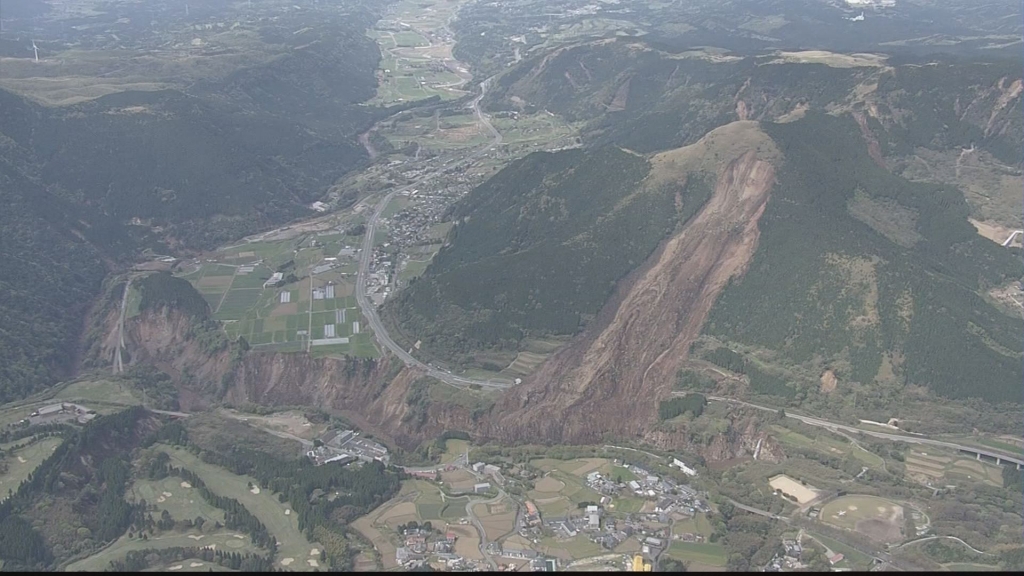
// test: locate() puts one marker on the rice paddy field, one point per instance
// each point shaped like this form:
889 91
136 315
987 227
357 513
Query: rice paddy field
937 466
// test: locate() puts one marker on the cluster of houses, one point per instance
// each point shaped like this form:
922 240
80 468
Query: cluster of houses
421 542
789 559
346 446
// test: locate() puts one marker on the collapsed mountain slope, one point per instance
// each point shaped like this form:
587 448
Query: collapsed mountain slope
610 379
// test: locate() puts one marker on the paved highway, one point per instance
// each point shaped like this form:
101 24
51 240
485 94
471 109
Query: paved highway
897 437
365 257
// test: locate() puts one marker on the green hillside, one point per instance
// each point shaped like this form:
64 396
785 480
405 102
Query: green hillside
243 137
644 98
537 250
828 287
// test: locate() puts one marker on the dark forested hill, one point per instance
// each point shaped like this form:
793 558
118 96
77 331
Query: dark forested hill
861 269
636 95
239 141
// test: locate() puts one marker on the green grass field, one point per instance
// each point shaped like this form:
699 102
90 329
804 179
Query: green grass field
265 506
699 524
409 39
627 504
101 391
998 445
222 539
855 558
190 565
702 553
23 462
183 503
827 444
971 567
855 508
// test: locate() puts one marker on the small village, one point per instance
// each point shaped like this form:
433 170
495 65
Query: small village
665 500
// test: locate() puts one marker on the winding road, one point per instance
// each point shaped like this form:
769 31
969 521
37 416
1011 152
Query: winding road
480 527
366 256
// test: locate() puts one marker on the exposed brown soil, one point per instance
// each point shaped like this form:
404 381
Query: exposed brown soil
828 381
610 379
874 149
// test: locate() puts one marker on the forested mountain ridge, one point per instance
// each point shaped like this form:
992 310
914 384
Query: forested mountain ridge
857 270
258 126
646 99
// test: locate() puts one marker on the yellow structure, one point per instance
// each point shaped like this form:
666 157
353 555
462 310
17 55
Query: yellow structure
639 565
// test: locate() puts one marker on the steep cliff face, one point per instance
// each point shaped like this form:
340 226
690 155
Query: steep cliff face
168 339
371 393
610 379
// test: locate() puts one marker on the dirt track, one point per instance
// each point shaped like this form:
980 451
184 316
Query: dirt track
607 379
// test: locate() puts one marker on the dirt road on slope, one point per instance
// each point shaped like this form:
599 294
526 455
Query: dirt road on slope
611 379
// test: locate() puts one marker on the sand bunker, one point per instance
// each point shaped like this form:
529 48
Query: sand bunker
313 563
161 499
186 485
851 508
178 567
22 460
196 538
239 536
195 564
314 552
168 494
287 561
882 509
287 512
255 490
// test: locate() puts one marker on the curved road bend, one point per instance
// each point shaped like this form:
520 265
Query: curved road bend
366 255
884 435
480 527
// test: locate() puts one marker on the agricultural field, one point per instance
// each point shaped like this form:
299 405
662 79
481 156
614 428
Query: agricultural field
564 485
525 133
533 353
497 519
275 515
877 518
437 133
936 465
418 500
559 491
318 303
699 524
16 465
698 554
416 50
574 548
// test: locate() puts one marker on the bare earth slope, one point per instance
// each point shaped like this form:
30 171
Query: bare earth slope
610 379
